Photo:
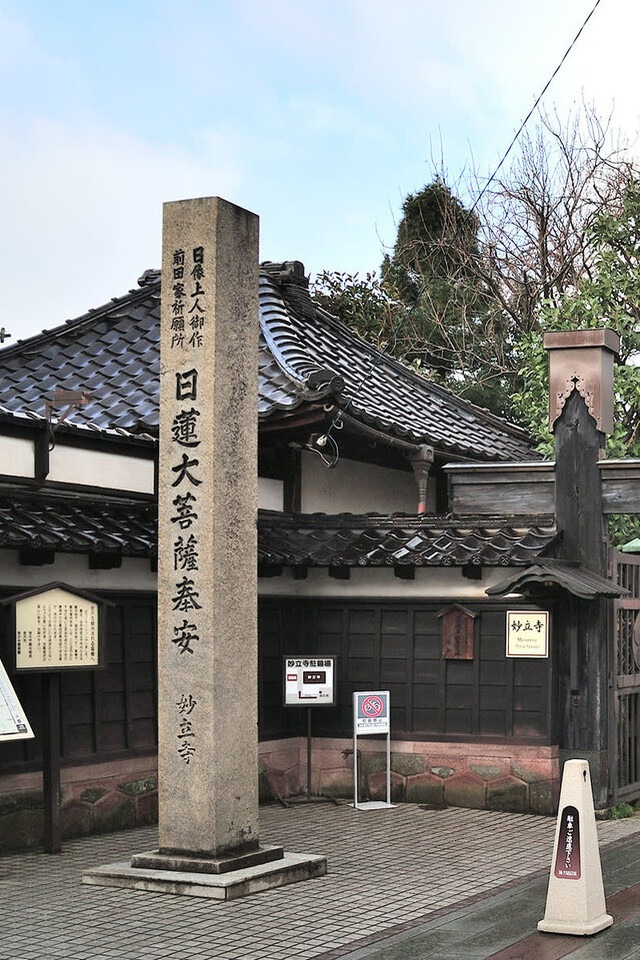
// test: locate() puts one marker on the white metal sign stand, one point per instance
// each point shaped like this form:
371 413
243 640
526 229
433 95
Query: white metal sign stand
371 714
309 681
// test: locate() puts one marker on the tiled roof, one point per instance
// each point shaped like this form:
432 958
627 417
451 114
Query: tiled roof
112 351
364 541
73 524
568 576
378 391
305 355
128 527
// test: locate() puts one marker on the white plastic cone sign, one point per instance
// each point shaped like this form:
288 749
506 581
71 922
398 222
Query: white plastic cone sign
575 895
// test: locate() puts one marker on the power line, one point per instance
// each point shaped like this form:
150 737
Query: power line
336 421
533 108
461 226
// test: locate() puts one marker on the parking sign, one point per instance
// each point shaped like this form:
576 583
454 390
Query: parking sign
309 681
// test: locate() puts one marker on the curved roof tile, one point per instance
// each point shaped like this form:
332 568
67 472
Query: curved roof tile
71 523
304 355
353 541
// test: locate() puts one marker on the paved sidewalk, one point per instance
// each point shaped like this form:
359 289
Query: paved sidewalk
403 884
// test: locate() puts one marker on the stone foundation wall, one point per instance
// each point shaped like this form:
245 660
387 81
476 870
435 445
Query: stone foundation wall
283 768
100 798
114 796
520 779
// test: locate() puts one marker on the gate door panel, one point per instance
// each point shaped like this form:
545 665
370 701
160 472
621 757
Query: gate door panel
625 671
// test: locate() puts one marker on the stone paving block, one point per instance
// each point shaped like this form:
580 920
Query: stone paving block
544 796
387 869
378 786
21 829
114 812
278 783
408 764
336 782
489 770
425 788
76 819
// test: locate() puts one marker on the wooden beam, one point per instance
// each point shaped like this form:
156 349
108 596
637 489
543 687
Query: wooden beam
517 488
620 486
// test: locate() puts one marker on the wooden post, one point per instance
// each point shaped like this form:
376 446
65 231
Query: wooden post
51 762
581 413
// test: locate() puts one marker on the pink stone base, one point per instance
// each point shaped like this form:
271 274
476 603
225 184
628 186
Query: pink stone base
487 776
96 798
111 796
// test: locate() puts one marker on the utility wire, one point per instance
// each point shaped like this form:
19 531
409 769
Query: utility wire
533 108
461 226
336 422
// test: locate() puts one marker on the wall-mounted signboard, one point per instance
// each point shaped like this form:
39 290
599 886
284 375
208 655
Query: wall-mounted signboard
57 628
527 633
309 681
13 720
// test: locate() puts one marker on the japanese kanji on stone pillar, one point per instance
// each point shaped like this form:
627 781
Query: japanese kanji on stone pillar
207 568
207 484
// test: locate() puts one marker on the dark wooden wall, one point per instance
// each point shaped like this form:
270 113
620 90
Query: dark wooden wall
398 647
112 714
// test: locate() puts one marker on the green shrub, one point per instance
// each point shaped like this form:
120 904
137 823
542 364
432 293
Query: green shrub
620 811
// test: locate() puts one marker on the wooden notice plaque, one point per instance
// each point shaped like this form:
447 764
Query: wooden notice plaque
458 632
57 627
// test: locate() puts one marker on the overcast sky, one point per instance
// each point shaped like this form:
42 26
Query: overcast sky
318 116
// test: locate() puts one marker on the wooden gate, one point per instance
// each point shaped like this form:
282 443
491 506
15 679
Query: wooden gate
624 728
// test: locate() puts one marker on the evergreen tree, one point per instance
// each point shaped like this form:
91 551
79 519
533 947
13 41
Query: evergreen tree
433 272
428 307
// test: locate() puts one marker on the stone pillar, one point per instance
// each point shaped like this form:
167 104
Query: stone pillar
581 414
207 570
207 485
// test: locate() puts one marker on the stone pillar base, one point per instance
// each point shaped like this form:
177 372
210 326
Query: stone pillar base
191 863
291 868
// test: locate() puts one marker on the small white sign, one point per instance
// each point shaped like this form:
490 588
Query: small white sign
371 712
309 681
13 720
527 633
